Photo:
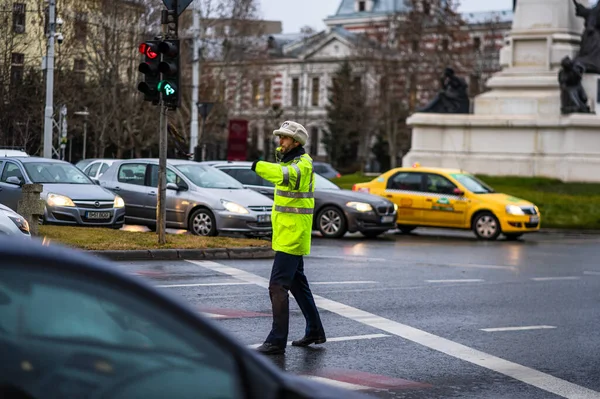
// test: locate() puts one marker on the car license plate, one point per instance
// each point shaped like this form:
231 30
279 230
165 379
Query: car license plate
387 219
98 215
264 218
534 219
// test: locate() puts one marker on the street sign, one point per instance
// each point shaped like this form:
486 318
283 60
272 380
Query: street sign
181 5
204 109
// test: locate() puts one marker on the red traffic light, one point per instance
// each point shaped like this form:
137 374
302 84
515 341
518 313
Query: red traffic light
150 50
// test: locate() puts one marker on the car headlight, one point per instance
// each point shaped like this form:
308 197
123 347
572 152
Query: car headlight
360 206
233 207
59 200
21 223
119 203
395 207
514 210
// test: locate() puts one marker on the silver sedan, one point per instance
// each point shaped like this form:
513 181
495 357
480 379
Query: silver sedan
200 198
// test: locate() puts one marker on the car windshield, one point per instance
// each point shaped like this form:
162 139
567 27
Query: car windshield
473 184
322 183
209 177
55 172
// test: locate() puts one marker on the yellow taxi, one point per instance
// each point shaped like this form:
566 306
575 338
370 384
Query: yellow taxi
452 198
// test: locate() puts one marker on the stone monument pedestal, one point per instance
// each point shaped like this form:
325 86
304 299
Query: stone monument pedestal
517 127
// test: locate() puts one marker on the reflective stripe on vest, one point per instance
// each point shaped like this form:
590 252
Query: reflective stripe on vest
298 176
289 209
294 194
286 175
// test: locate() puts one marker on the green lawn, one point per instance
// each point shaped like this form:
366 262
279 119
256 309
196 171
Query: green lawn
562 205
108 239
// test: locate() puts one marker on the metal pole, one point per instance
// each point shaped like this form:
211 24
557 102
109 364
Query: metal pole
161 210
203 145
84 136
195 76
49 110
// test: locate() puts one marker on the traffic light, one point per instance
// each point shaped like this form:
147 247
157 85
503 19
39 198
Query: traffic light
171 73
150 69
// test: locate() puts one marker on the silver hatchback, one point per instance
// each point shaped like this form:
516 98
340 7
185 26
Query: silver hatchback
200 198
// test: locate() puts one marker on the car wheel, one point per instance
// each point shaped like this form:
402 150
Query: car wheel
406 229
202 223
486 226
512 237
372 234
331 222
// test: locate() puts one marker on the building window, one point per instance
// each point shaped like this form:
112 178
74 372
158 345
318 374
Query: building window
362 6
314 141
267 93
426 8
415 45
476 43
315 92
221 94
357 83
79 67
295 92
17 67
19 17
445 44
80 28
255 93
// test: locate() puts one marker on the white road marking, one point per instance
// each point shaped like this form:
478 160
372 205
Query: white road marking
200 285
341 339
342 282
470 266
348 258
592 273
519 372
465 280
338 384
555 278
516 328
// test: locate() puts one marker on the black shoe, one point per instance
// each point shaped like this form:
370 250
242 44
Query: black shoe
307 340
270 349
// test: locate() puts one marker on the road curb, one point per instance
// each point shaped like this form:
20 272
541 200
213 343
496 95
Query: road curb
568 231
189 254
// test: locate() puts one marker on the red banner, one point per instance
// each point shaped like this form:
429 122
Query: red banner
237 143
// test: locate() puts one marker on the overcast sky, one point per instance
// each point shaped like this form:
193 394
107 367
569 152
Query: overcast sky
297 13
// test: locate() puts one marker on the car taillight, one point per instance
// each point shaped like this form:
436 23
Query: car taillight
338 175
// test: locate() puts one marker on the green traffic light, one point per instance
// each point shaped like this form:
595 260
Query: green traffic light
168 88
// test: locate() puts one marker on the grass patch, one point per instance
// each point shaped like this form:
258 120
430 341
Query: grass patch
562 205
92 238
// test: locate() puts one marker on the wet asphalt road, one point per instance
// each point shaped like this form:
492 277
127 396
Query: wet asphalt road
429 297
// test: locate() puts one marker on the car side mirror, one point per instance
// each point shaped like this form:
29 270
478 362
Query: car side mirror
459 192
14 180
173 186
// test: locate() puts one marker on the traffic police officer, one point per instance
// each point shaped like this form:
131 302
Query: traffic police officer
292 219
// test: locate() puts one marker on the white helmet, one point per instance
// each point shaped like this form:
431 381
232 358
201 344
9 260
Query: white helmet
293 130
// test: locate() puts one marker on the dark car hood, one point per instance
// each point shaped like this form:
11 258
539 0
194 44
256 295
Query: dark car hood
84 192
349 195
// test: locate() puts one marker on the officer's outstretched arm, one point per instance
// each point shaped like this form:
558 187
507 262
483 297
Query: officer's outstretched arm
275 173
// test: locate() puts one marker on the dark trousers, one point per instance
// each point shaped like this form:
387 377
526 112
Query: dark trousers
288 275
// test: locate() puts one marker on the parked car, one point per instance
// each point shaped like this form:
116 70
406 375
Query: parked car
440 197
201 199
12 152
336 211
84 162
97 167
326 170
71 197
73 326
13 224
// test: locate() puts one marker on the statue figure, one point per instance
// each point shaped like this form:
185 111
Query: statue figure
589 50
572 95
452 99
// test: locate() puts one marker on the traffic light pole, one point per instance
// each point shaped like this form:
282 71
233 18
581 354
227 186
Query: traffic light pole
161 208
49 110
